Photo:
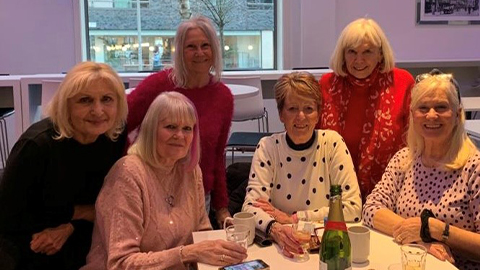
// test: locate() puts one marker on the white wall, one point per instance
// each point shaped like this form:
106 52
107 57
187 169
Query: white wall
313 26
37 36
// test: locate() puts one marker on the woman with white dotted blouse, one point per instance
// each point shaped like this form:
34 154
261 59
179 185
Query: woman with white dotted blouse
292 171
430 191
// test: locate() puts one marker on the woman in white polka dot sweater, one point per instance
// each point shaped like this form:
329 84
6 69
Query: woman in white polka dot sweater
292 171
430 191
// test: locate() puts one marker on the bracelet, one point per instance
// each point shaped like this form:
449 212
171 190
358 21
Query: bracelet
424 229
446 233
270 227
181 253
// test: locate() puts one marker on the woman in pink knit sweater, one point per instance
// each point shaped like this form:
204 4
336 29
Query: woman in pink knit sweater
153 199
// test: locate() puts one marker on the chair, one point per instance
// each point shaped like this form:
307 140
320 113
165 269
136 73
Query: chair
133 82
49 87
4 147
247 109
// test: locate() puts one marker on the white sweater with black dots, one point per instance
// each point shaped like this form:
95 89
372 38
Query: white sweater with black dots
299 181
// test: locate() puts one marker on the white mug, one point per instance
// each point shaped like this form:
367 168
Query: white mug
360 241
244 218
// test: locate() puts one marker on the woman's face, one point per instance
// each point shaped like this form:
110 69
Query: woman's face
299 115
362 60
173 141
93 111
434 119
197 52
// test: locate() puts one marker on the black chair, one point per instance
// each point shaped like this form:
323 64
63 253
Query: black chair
245 141
4 147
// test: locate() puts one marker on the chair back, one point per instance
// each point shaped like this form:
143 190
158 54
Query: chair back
133 82
49 87
248 108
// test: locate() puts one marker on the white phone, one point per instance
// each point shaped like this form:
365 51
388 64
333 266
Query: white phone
250 265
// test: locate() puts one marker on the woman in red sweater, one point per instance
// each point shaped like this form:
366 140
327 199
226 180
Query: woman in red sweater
196 73
366 99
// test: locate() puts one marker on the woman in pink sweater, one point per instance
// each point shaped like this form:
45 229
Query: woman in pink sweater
153 199
196 73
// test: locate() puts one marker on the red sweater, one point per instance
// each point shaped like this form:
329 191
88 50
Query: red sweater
352 113
214 104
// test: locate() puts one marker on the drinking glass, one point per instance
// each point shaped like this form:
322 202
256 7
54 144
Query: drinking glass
413 257
302 231
238 233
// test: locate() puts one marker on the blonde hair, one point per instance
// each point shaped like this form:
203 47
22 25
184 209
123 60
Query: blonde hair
180 72
355 34
80 77
177 108
461 147
302 84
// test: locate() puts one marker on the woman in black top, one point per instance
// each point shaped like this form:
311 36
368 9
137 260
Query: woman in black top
56 169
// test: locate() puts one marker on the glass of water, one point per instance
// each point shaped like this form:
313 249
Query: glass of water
238 233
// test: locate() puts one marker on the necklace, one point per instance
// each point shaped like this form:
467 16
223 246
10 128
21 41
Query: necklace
169 200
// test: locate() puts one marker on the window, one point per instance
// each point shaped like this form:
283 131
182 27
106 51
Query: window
129 40
118 3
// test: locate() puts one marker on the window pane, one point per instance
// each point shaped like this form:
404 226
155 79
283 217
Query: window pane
140 38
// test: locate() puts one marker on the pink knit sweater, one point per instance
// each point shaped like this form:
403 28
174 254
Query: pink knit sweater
136 227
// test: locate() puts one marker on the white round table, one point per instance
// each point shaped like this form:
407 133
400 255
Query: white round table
242 91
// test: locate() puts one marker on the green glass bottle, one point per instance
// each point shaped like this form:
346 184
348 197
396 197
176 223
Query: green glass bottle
336 251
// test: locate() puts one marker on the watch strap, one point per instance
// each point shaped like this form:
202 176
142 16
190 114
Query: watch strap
446 232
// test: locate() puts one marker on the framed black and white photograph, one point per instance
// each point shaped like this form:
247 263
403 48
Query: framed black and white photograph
448 12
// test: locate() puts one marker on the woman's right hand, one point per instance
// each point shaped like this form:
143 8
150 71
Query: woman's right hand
283 236
215 252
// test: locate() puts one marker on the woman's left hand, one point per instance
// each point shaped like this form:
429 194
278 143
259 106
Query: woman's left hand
221 214
278 215
407 231
51 240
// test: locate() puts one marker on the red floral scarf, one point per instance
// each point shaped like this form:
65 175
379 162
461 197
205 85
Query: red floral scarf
377 141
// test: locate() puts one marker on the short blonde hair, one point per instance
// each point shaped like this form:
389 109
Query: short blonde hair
81 77
177 108
460 147
355 34
180 73
302 84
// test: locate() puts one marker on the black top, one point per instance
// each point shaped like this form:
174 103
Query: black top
44 178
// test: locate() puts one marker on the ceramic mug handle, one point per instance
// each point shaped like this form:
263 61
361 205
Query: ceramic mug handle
226 220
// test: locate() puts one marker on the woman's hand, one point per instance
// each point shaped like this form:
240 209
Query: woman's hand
221 214
407 231
440 250
86 212
283 236
51 240
278 215
215 252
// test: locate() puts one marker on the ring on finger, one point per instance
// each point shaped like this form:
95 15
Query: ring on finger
222 258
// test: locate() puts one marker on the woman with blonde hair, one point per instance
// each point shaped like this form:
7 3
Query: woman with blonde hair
366 99
429 193
153 198
196 71
56 170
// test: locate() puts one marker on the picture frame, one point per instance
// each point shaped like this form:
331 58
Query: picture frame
450 12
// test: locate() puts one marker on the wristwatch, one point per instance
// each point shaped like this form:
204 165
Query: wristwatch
424 230
446 232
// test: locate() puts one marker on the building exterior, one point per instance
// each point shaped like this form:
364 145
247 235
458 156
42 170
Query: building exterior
137 35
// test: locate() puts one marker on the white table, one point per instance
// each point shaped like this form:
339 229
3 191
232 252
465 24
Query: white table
471 103
242 91
473 127
383 252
